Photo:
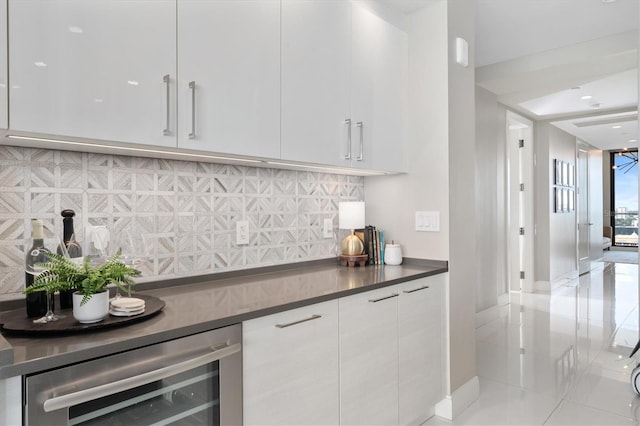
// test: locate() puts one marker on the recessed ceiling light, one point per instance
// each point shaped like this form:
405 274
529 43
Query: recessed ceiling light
632 140
585 97
617 126
40 64
608 1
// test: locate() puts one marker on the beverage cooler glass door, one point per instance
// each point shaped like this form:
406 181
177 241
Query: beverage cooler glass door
196 380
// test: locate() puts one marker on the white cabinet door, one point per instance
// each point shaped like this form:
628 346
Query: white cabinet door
420 325
11 401
290 367
316 48
94 69
378 91
229 81
4 105
369 358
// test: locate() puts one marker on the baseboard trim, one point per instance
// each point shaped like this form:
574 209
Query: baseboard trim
488 315
452 405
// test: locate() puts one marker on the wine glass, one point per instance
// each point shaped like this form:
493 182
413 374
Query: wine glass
134 251
49 316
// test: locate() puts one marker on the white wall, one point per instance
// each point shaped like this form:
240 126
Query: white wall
490 186
462 201
555 232
391 201
440 159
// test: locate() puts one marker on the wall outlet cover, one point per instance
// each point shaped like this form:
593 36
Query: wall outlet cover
327 231
242 232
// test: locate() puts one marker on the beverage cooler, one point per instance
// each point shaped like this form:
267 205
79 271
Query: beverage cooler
195 380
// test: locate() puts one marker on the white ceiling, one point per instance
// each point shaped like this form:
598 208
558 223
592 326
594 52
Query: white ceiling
540 57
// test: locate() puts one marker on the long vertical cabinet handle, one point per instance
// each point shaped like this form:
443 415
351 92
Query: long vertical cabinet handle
167 84
361 127
347 122
192 87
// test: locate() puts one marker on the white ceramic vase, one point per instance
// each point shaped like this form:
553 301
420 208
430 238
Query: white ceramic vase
392 254
95 310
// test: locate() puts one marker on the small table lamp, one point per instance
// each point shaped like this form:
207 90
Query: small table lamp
351 216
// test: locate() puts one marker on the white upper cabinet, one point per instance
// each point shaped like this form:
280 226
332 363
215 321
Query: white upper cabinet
343 86
316 81
229 79
101 69
378 91
4 104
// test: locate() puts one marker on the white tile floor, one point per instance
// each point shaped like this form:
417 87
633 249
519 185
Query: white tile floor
561 358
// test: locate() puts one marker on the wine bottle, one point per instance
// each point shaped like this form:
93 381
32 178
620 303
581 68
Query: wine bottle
36 302
72 248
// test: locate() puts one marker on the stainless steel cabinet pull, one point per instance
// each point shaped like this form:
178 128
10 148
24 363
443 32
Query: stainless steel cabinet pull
416 289
383 298
348 123
192 87
361 126
75 398
167 83
289 324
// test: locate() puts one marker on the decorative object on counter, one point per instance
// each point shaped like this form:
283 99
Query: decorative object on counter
392 254
70 248
351 216
15 322
126 306
62 273
373 244
353 260
93 310
37 303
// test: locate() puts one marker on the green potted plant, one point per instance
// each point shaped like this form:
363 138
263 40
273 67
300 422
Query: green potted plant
89 281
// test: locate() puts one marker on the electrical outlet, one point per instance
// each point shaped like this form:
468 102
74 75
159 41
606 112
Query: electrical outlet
327 231
242 232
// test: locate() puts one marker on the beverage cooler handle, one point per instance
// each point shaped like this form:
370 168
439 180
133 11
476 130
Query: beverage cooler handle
75 398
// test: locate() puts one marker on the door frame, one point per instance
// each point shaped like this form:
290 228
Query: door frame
519 213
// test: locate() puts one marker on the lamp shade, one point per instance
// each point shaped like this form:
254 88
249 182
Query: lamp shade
351 215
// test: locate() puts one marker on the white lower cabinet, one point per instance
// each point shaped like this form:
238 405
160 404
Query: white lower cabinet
369 358
11 401
373 358
290 367
420 349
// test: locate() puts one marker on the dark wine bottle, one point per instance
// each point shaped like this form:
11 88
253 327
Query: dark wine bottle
36 302
72 248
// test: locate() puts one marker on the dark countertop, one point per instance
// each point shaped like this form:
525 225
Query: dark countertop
196 304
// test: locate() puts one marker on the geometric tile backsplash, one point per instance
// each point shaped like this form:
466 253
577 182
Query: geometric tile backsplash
186 210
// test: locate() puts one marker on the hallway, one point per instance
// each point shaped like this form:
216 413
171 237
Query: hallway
561 359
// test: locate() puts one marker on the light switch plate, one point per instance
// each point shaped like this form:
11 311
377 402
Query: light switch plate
242 232
327 230
428 221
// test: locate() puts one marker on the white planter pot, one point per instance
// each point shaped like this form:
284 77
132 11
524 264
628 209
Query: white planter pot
95 310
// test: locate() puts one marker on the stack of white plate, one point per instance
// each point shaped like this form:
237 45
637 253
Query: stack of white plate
126 306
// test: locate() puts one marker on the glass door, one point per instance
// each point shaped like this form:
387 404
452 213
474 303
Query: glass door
190 398
624 198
